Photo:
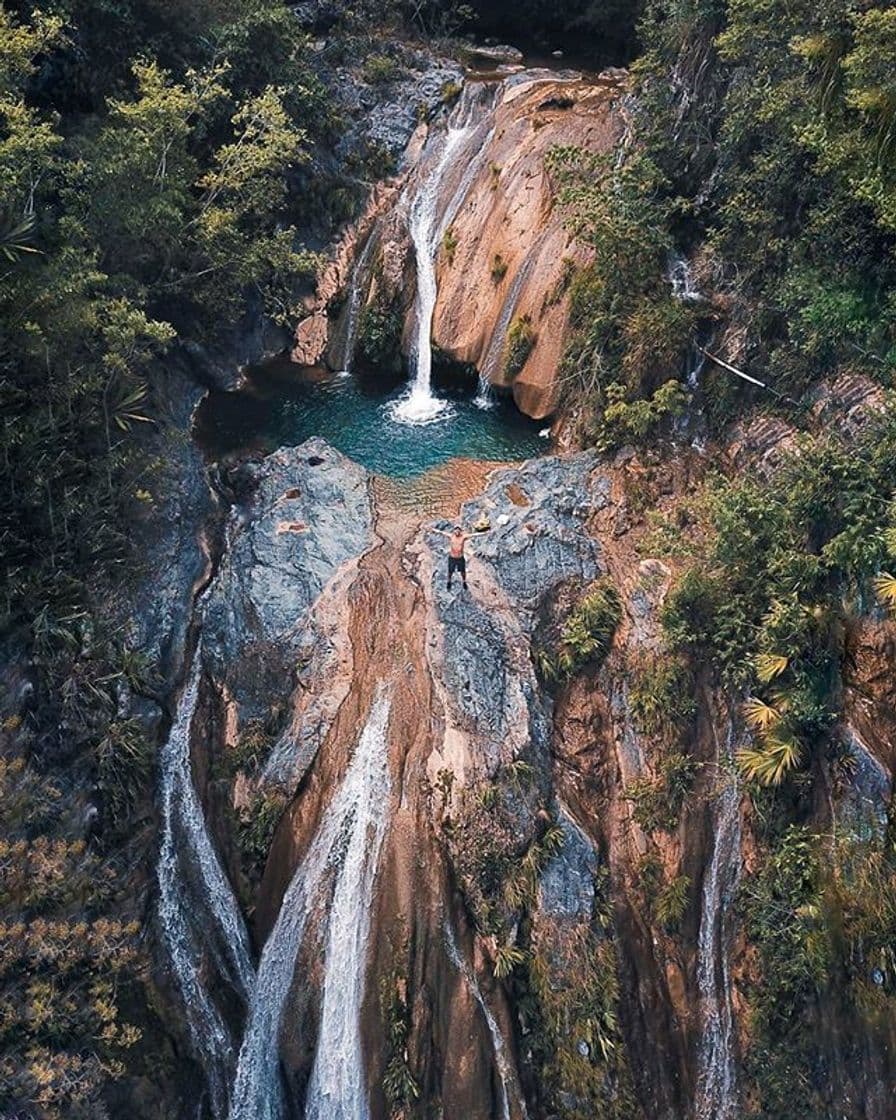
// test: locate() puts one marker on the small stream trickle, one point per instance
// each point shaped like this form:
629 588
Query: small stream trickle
503 1063
187 855
716 1096
353 316
347 842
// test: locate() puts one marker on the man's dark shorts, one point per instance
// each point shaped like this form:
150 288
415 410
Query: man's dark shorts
457 564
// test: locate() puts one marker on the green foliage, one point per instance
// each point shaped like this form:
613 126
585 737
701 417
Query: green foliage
399 1084
379 336
671 903
568 997
657 802
661 697
257 825
521 339
449 244
498 269
380 69
633 421
585 635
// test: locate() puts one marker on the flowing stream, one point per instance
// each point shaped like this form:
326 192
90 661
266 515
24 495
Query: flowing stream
503 1063
356 290
347 842
716 1096
185 838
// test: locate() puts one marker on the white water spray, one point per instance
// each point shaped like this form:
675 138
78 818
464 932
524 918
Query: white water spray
184 835
716 1096
681 279
348 839
420 406
506 1075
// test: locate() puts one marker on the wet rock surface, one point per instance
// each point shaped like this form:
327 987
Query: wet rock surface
308 514
168 528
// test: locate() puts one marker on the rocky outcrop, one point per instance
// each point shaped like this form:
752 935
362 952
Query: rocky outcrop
304 516
512 259
519 819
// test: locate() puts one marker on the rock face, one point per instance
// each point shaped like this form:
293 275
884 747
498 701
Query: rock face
513 259
504 261
308 514
519 819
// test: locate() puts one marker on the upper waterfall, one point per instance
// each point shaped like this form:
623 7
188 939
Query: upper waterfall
432 210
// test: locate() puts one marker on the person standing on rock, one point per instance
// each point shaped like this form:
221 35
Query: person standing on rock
456 560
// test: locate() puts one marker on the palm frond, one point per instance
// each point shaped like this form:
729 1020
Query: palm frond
16 235
770 665
885 586
760 716
772 762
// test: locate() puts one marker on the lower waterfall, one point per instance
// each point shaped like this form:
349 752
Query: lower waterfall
184 833
348 841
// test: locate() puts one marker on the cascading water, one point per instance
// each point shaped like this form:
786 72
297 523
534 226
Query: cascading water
338 1086
506 1076
356 289
716 1096
427 226
681 279
491 362
185 837
348 839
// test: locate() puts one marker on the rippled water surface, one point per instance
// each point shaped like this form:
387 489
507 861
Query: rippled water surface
282 404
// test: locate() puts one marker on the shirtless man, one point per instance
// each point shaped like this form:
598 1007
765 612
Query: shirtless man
456 560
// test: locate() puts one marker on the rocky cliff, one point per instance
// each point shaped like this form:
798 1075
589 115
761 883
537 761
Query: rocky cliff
451 843
504 261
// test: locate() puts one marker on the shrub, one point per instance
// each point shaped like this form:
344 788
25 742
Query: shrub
657 802
671 903
498 269
585 635
379 336
257 827
521 339
660 697
449 244
380 69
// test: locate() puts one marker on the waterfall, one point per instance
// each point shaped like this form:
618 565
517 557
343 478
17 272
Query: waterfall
347 841
716 1097
356 288
679 276
184 834
491 363
506 1074
427 226
338 1087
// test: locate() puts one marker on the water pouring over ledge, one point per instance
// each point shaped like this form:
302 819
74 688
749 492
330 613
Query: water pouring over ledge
347 842
463 145
197 906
